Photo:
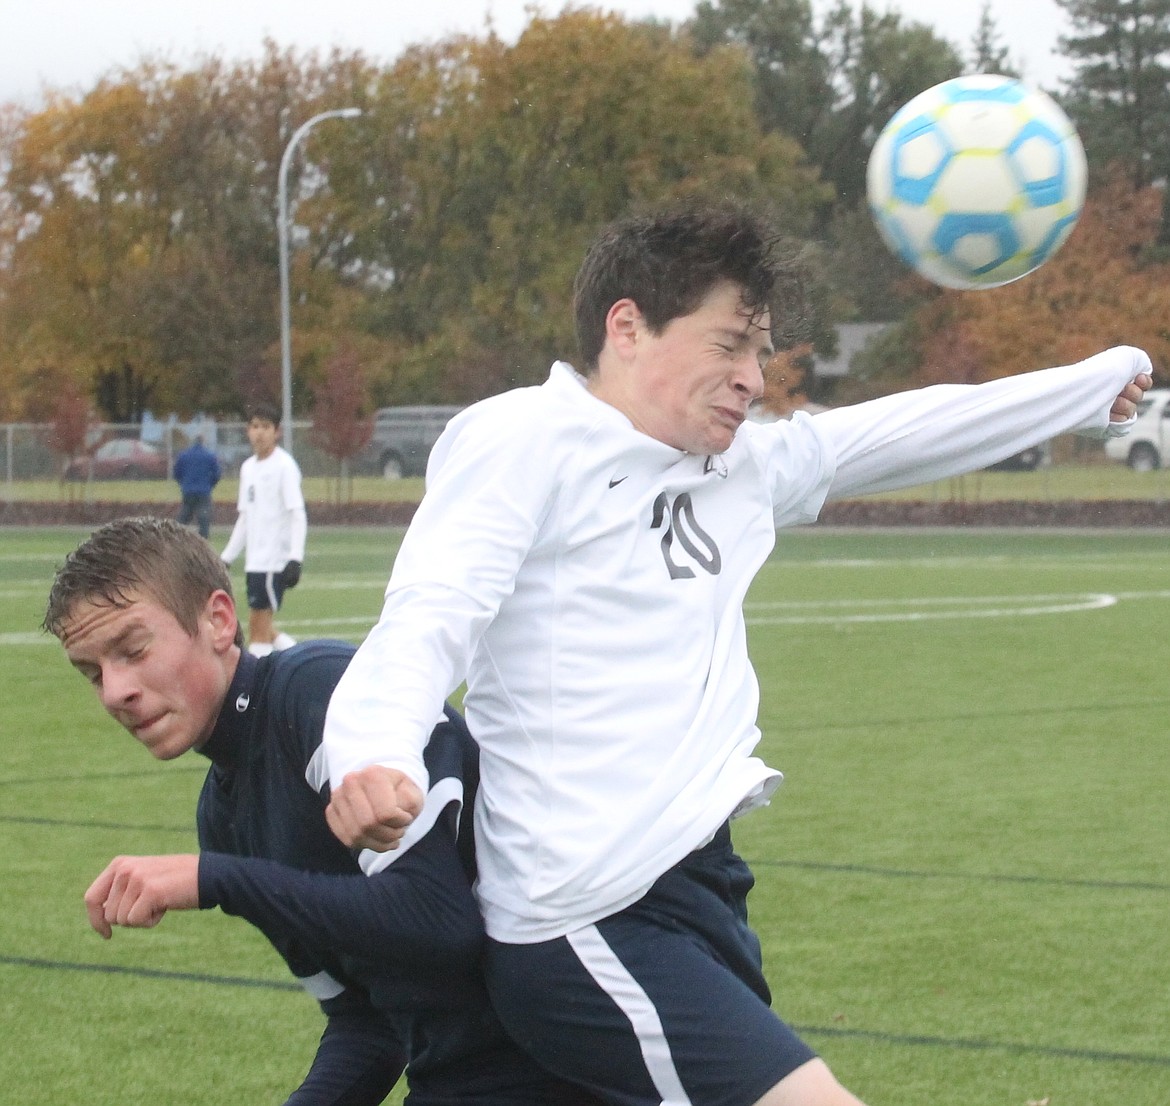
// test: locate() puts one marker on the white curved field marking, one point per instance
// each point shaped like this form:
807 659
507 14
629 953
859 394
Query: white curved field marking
27 638
923 609
347 583
805 612
366 620
1085 562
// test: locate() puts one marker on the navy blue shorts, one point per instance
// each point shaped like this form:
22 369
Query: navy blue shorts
265 590
663 1002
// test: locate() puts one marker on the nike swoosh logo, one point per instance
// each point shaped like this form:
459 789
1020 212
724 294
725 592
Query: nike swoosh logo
615 483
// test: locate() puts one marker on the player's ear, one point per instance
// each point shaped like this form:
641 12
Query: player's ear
622 323
220 614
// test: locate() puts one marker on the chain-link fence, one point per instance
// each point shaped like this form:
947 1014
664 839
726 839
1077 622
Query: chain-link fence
129 451
1069 468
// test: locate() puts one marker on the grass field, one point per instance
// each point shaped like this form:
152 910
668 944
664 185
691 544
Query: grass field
962 885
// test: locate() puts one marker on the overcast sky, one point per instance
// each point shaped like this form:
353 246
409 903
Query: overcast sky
67 44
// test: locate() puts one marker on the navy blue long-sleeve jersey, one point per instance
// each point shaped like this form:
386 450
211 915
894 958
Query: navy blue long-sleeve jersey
393 959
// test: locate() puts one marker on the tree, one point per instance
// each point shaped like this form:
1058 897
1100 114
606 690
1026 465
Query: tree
862 268
988 54
438 233
145 260
832 85
1119 92
793 83
70 426
342 423
1098 291
878 64
512 158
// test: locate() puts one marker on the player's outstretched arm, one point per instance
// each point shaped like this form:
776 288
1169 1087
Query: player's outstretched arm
372 808
930 433
137 891
414 917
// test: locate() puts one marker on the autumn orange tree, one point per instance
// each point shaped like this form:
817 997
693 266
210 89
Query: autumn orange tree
443 227
145 246
440 230
69 429
1098 291
501 163
1103 288
342 423
101 235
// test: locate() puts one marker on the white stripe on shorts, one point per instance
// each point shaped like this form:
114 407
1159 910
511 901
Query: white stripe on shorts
611 976
271 590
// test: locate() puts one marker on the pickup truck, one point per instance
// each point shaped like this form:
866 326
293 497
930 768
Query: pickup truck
1147 446
402 440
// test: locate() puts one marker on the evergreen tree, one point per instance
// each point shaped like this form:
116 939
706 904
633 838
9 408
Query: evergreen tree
831 84
794 92
988 53
1119 93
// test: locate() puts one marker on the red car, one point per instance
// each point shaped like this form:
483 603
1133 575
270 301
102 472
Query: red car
120 459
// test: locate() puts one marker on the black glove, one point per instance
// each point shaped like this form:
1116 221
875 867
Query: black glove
292 574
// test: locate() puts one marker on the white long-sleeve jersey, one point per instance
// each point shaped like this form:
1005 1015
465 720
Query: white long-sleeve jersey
271 525
588 583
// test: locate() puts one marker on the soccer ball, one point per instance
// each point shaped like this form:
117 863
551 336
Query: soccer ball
977 181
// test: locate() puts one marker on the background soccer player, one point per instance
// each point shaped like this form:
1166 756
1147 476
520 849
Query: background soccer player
271 527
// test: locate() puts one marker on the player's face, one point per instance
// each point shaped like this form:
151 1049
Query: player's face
262 436
694 381
162 684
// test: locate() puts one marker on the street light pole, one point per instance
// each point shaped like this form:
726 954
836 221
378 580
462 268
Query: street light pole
282 228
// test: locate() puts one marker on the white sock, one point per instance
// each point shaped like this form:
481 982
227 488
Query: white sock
261 648
283 641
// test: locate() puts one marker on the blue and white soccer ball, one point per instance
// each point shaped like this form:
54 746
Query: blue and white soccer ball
977 181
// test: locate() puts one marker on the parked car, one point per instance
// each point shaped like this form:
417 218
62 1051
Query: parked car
120 459
1147 446
402 440
1027 460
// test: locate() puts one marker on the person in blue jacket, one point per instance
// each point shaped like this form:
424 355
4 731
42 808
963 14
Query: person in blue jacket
197 472
144 610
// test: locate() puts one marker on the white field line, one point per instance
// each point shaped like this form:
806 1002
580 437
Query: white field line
15 558
922 610
365 622
40 588
345 583
1086 562
810 612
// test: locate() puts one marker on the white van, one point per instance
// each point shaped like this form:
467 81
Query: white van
1147 446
